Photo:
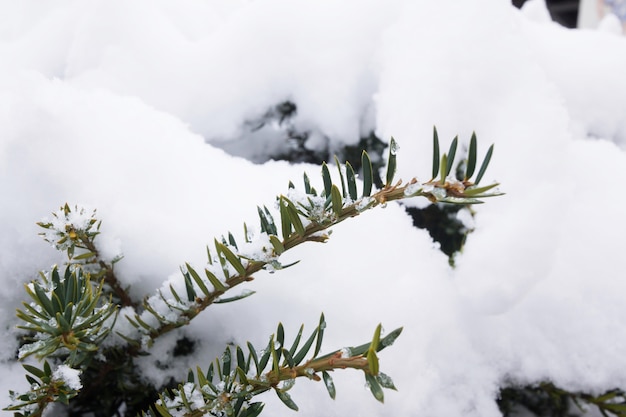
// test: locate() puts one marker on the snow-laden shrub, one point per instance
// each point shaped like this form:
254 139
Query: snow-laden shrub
86 328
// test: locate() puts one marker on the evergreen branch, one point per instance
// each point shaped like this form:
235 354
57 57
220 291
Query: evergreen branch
46 387
68 315
74 231
71 317
610 403
109 275
224 390
547 399
304 217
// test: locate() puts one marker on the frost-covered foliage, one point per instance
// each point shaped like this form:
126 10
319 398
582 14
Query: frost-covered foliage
69 317
121 106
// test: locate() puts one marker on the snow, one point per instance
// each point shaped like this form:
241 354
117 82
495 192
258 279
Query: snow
122 107
193 397
69 376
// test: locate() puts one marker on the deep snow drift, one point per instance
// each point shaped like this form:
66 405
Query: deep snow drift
114 105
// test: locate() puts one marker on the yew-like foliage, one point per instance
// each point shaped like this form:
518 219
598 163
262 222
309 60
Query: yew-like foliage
71 314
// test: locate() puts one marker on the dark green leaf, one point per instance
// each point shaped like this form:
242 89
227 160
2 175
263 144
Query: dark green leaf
210 372
202 380
62 398
327 180
368 176
34 370
217 284
241 374
372 362
288 358
244 294
452 154
286 399
241 359
372 358
337 200
295 218
384 342
389 339
132 322
285 218
233 259
231 240
278 246
226 361
38 324
266 354
68 314
484 165
280 335
161 409
375 387
320 334
435 153
277 265
471 157
255 358
617 409
144 324
271 225
294 346
175 294
351 179
222 259
385 381
264 222
476 191
341 177
376 338
85 255
43 300
56 279
208 254
391 163
183 397
198 280
444 167
32 311
460 200
330 385
254 410
72 290
56 303
305 348
245 233
607 396
191 292
307 184
32 381
276 354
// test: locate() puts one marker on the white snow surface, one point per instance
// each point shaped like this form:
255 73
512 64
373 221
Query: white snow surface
69 376
115 105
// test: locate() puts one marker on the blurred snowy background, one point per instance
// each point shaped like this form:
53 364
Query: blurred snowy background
149 111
